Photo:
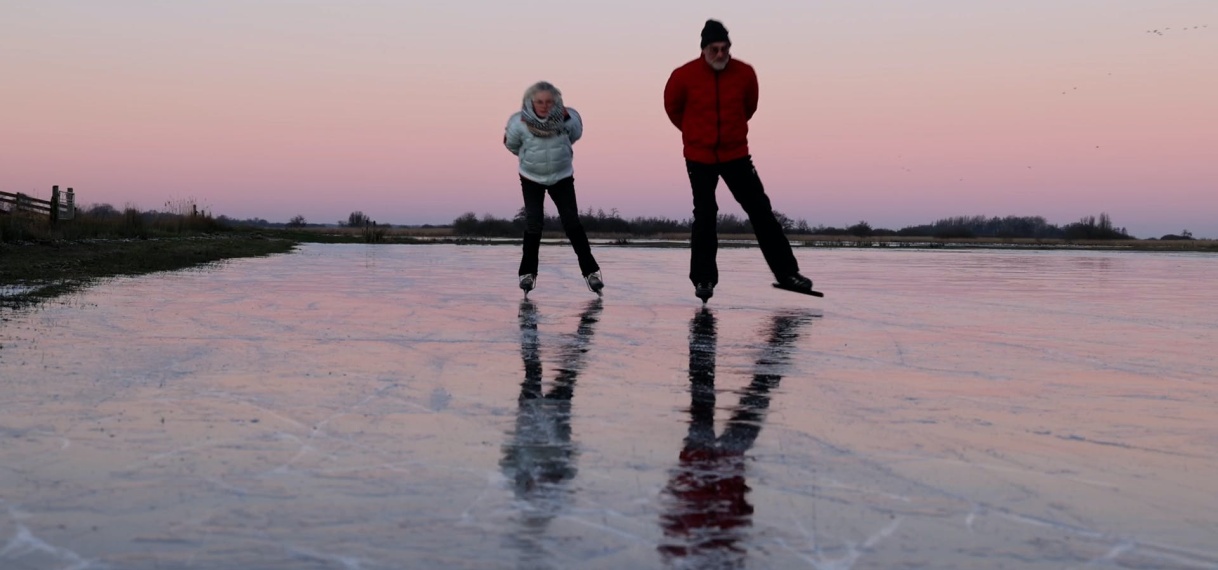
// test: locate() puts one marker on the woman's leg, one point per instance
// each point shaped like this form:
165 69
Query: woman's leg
563 194
534 214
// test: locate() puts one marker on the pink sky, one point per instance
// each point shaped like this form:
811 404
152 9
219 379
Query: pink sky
880 111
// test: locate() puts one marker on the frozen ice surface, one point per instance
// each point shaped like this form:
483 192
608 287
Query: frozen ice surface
369 407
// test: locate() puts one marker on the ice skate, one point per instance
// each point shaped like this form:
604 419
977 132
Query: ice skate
527 282
798 284
595 283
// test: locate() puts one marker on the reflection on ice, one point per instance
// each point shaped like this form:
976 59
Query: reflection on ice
707 507
539 457
373 407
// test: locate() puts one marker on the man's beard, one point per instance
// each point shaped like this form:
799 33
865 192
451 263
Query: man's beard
719 65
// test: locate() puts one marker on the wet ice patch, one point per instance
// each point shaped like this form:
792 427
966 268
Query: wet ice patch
16 290
439 399
23 546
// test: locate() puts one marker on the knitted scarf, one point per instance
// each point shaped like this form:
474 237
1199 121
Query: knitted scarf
553 124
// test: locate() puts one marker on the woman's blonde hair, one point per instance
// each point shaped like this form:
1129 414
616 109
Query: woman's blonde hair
543 86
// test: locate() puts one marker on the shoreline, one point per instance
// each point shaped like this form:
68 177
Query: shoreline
34 272
433 235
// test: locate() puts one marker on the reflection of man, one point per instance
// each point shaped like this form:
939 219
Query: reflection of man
539 459
707 508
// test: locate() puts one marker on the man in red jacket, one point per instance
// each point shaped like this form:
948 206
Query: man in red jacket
711 100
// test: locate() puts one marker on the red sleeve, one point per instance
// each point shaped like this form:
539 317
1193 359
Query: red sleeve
750 94
674 99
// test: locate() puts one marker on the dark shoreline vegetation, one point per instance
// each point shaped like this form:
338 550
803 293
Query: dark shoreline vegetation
1031 232
34 272
40 260
598 223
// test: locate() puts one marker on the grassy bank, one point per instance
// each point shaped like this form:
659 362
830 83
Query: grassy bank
30 272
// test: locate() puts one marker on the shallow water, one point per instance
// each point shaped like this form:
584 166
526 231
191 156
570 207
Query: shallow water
399 406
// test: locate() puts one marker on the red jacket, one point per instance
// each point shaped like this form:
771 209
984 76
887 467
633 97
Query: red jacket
712 109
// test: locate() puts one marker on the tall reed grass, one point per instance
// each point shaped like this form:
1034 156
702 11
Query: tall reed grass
103 221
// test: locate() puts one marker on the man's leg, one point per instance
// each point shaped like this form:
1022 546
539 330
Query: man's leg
534 216
703 240
563 195
741 178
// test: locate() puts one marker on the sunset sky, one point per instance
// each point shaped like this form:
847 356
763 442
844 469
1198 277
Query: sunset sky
893 112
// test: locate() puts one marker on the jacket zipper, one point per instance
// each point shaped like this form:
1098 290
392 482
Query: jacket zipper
718 118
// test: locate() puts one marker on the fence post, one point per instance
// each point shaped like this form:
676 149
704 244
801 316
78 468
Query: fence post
54 204
70 209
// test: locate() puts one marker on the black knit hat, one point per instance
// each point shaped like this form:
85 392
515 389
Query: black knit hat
713 32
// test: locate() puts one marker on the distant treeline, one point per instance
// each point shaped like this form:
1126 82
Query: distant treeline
602 222
1090 227
356 219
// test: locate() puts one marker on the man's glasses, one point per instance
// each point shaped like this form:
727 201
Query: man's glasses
718 49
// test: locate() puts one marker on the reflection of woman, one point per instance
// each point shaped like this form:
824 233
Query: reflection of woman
539 458
707 511
541 135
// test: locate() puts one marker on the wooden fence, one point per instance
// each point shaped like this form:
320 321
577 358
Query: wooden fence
61 207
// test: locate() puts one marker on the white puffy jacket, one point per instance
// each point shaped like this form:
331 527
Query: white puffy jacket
544 160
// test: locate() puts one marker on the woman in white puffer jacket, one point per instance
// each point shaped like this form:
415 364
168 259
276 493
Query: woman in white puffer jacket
541 135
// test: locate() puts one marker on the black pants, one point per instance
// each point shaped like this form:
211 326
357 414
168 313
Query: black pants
563 195
741 178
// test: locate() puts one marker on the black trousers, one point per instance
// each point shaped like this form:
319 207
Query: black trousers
742 180
563 195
